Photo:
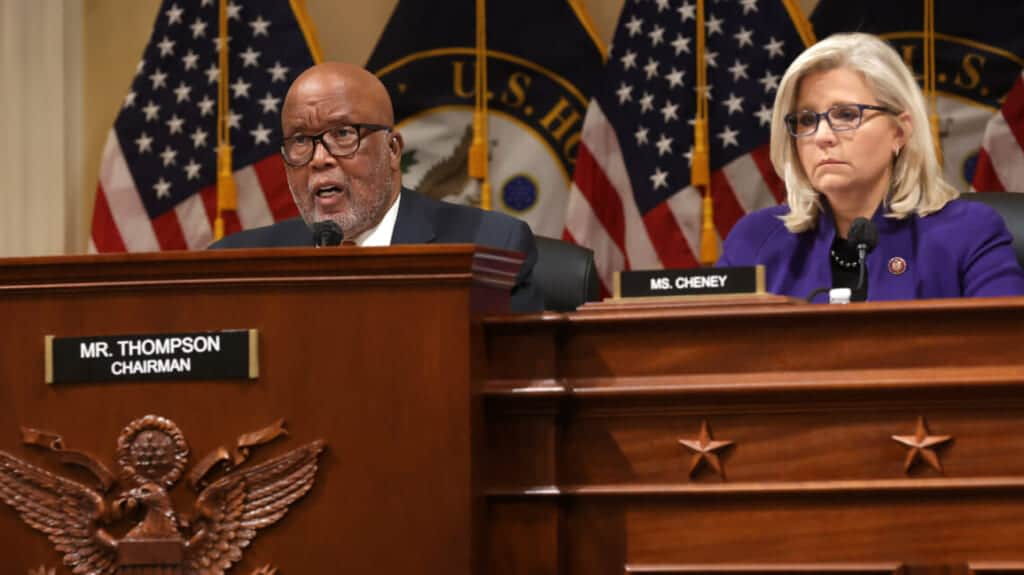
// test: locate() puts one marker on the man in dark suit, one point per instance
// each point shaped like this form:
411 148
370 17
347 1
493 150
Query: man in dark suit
342 157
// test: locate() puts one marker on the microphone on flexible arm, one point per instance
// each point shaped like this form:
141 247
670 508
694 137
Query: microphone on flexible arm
327 233
863 236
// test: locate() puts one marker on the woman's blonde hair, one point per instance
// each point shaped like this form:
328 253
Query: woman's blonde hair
917 185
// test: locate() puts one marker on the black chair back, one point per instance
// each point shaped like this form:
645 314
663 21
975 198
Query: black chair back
565 273
1010 205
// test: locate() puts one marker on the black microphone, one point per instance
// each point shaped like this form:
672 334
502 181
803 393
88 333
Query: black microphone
863 236
327 234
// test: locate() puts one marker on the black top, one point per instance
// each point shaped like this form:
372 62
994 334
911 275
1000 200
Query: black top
846 269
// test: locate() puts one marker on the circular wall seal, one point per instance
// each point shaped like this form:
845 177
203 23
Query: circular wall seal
519 193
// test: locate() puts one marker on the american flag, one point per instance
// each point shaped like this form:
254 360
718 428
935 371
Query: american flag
1001 160
631 200
159 168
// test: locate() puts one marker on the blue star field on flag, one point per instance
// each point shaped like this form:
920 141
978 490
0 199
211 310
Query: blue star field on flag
650 94
167 125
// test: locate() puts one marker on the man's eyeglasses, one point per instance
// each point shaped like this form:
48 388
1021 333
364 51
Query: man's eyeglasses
340 141
841 118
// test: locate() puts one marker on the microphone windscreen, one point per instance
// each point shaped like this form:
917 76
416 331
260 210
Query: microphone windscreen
862 231
327 233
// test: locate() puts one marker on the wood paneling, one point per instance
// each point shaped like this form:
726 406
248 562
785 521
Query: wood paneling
768 569
551 443
809 396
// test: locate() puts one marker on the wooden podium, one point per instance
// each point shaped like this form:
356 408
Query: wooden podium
760 438
366 349
746 437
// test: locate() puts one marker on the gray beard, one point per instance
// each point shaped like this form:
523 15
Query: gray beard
359 217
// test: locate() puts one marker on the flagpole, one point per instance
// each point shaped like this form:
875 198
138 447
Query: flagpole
700 164
929 76
478 151
227 199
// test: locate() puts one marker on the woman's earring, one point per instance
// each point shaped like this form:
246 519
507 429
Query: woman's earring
896 152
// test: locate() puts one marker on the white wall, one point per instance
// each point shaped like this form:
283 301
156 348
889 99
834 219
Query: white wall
40 126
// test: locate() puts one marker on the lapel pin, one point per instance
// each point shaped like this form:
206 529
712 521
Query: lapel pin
897 265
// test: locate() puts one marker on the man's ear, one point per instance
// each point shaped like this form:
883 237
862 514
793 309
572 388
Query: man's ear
396 144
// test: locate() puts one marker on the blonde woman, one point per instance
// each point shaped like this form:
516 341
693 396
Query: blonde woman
850 138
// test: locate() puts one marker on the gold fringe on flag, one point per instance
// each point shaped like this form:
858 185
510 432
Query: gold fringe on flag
700 163
931 94
227 197
478 150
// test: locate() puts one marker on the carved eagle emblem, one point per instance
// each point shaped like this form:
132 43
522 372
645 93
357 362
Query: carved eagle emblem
152 454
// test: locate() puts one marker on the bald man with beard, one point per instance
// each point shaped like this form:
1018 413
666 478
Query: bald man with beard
343 156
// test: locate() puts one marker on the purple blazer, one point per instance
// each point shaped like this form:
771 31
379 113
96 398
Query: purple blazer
963 250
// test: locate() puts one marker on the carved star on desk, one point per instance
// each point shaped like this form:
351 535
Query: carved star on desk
704 449
922 446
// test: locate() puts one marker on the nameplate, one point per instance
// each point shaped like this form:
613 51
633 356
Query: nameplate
230 354
700 281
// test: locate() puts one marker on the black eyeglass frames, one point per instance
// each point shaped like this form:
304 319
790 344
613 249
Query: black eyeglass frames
341 141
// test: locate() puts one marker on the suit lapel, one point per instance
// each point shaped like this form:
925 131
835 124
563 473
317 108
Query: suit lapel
413 224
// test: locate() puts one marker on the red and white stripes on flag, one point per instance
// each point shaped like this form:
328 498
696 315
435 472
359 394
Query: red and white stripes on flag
1001 160
603 215
158 173
120 222
631 200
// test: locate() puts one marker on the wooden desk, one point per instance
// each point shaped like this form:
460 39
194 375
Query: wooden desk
586 415
581 457
367 349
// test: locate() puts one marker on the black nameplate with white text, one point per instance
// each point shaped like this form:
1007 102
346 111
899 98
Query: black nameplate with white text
699 281
229 354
